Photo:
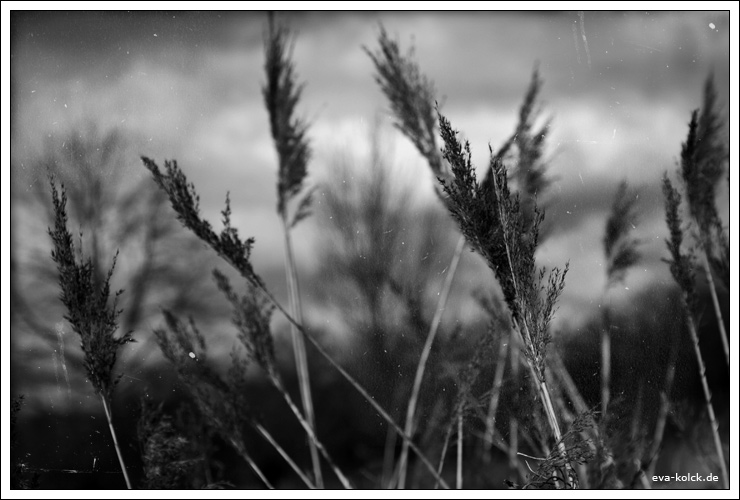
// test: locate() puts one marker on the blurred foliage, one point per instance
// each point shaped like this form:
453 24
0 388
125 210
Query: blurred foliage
112 211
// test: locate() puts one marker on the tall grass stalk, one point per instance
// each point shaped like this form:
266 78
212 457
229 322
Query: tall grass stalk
536 351
242 451
109 417
443 453
411 96
389 475
236 252
251 315
281 94
268 437
682 268
363 392
516 380
425 352
560 372
715 303
708 401
459 476
493 223
85 294
606 362
465 399
702 166
299 347
307 427
621 253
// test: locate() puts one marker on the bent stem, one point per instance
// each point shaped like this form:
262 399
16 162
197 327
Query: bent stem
299 349
426 351
717 309
115 440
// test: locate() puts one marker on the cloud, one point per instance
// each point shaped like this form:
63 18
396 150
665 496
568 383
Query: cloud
192 92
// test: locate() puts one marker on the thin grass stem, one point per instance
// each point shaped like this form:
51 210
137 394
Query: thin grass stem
543 389
681 266
363 392
238 261
266 434
426 351
717 309
513 447
247 458
299 349
606 357
498 378
445 445
387 478
109 417
560 371
304 423
708 400
459 483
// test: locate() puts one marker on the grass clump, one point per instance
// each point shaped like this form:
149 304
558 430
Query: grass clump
166 454
494 225
236 252
411 96
702 164
218 400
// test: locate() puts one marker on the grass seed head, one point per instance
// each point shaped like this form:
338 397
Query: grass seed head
91 312
281 94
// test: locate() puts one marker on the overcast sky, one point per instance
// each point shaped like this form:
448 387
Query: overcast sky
620 87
